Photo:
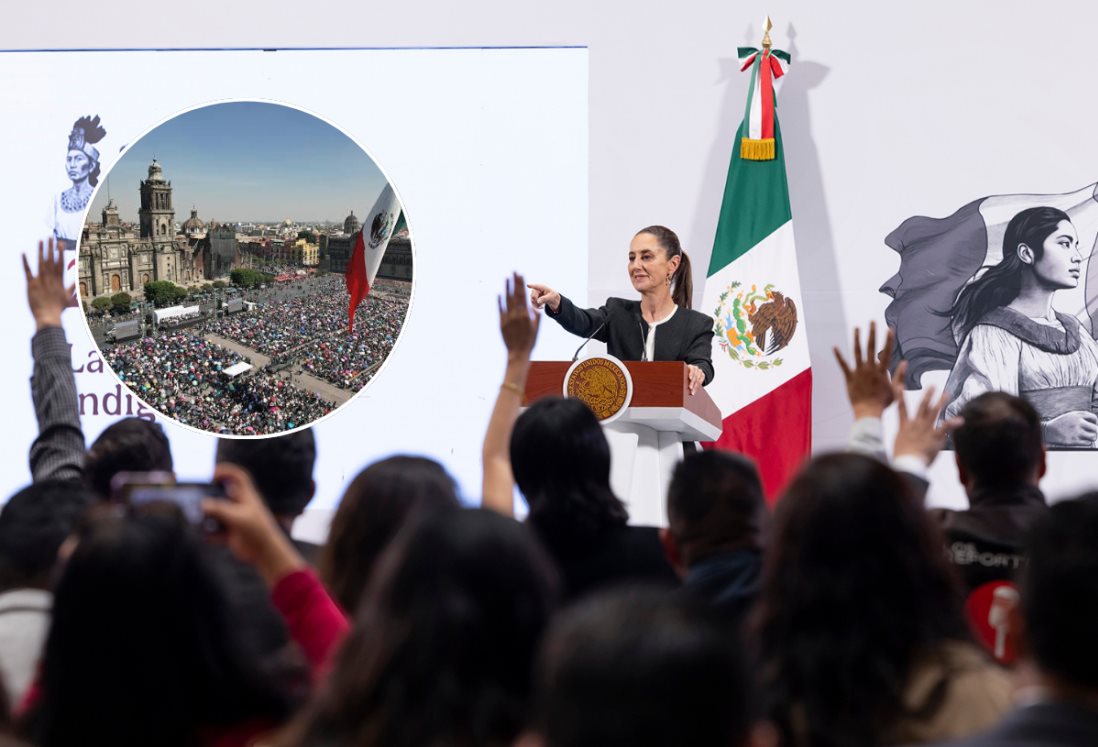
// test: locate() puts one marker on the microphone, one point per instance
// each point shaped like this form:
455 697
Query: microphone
644 341
1003 600
584 344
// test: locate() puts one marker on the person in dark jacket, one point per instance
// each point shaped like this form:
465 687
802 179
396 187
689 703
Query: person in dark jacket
1000 459
659 327
1059 589
716 517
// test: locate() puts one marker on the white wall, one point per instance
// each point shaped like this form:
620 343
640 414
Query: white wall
890 110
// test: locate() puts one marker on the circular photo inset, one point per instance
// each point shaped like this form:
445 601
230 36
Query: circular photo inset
263 303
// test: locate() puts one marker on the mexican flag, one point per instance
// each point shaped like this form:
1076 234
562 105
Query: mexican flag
370 245
763 381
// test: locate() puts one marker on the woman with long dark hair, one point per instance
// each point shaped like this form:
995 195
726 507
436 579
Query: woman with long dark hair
442 646
661 326
142 649
1012 339
859 627
374 507
558 455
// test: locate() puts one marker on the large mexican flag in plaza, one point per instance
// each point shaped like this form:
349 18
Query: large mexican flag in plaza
763 378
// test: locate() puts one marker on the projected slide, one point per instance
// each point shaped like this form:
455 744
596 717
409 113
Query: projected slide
485 150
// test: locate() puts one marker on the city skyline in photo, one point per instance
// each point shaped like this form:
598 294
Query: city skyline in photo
247 162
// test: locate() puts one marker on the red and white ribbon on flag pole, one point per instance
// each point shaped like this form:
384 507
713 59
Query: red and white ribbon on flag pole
370 246
767 65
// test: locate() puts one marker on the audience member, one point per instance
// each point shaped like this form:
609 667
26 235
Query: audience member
58 451
1059 605
442 646
716 514
33 524
859 627
1000 460
377 503
142 648
282 471
558 455
127 445
645 669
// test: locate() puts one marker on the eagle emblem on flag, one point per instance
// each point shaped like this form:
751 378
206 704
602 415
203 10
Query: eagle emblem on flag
380 227
754 324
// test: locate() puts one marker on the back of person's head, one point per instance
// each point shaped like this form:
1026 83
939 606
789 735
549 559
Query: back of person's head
281 467
715 504
1000 441
561 462
442 646
33 524
642 668
854 581
373 509
1060 592
142 648
128 445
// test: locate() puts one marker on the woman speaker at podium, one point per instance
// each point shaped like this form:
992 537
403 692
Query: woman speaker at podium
660 326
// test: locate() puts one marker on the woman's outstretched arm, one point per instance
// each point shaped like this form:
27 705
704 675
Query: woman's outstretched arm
519 329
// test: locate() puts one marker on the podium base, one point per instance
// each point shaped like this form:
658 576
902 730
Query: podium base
642 460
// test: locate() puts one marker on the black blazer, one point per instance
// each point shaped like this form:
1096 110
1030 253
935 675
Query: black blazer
686 336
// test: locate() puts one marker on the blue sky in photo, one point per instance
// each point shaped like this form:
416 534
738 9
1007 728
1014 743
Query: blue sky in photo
248 161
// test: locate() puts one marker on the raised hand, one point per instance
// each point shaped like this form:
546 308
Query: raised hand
47 295
920 434
517 325
542 296
868 384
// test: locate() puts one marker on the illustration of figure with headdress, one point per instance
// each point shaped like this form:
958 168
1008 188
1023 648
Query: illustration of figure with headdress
82 165
984 308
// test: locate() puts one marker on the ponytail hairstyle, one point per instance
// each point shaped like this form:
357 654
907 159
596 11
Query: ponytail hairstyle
682 282
1000 285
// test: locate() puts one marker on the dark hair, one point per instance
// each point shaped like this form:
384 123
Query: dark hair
442 646
682 282
642 668
855 589
33 524
1059 591
128 445
714 504
1000 284
374 507
281 467
1000 442
561 462
142 648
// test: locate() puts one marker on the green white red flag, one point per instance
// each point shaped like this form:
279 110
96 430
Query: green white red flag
370 245
763 381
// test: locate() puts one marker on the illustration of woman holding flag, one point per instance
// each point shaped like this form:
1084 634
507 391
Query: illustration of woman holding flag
1011 338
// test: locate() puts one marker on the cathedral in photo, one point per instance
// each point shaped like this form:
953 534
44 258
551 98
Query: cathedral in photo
118 257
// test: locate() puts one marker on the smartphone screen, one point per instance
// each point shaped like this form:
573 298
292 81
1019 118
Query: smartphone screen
138 489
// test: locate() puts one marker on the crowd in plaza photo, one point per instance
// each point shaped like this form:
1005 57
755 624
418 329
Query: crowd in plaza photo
183 376
311 329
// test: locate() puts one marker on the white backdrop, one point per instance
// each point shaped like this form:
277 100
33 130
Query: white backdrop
888 111
479 145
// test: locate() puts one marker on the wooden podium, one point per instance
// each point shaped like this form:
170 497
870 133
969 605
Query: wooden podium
646 442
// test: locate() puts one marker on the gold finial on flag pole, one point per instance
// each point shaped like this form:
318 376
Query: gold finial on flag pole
767 25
